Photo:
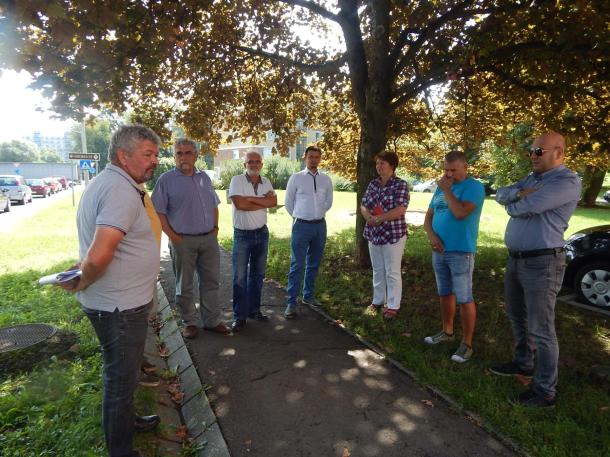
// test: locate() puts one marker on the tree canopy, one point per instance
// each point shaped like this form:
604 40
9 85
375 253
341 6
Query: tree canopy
255 65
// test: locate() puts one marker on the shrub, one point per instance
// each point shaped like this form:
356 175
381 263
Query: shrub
341 184
279 169
229 169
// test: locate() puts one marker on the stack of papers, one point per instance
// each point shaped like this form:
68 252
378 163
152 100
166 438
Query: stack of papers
58 278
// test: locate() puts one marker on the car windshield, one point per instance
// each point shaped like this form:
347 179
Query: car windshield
34 182
8 182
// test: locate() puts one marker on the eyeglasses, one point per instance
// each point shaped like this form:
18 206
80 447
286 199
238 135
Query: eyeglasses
537 151
254 162
185 153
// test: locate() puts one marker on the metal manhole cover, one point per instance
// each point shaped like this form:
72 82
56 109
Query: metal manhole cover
23 336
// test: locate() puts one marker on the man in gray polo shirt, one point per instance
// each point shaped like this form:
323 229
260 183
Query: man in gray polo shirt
539 207
119 262
187 206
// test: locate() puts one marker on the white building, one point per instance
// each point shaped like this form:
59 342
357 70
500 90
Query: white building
63 145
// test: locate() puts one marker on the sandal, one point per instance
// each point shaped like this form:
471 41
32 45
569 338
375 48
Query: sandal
390 313
374 308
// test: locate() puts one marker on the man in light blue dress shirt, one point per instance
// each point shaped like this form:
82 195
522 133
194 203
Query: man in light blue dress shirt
540 207
309 195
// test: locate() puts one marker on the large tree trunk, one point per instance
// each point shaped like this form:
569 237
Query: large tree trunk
592 182
372 141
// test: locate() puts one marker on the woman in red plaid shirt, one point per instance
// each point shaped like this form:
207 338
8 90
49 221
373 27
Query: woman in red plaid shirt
383 207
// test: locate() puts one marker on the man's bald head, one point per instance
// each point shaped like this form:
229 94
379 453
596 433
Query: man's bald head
552 147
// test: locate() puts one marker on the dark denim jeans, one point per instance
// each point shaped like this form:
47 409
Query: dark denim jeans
122 336
249 263
306 250
530 289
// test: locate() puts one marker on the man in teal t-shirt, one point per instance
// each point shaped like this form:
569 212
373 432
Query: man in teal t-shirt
452 226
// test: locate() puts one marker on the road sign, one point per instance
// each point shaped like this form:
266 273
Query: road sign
74 155
86 165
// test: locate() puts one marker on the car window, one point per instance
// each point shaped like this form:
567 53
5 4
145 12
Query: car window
8 182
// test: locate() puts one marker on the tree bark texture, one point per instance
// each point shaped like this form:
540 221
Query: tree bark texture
592 183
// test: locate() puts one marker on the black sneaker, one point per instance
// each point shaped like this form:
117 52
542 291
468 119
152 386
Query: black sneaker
258 316
511 369
532 399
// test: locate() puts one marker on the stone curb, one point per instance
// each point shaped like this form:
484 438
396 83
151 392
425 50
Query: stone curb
509 443
195 410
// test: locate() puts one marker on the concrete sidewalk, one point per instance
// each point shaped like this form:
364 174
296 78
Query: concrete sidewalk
305 387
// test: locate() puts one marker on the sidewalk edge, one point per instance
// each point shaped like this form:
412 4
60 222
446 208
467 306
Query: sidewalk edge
196 411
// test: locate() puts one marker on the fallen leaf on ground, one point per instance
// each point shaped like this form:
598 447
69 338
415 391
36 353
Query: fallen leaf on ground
603 409
523 380
182 432
428 403
345 452
406 334
178 397
164 352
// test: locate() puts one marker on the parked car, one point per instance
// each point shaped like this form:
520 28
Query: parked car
588 265
62 180
39 187
53 183
19 191
607 196
426 186
5 200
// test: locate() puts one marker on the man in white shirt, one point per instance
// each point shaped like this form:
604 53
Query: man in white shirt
251 195
309 195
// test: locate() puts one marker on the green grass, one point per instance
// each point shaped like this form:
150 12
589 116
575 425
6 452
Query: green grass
579 425
54 408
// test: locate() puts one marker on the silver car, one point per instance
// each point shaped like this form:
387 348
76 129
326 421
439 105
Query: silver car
18 189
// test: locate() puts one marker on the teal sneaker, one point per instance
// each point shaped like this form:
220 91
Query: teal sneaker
438 338
463 353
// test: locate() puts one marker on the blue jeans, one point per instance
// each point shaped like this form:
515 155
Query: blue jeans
306 250
530 290
122 335
249 263
453 272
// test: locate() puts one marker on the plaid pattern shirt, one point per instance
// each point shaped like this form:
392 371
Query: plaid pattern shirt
394 193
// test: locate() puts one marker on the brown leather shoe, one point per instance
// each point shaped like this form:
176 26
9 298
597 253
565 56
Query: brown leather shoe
190 331
220 328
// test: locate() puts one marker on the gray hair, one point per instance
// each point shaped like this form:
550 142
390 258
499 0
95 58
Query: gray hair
252 152
452 156
127 137
186 142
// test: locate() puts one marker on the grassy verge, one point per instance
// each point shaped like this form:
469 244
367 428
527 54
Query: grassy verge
50 407
580 424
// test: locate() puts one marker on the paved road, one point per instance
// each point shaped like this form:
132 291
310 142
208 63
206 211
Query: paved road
21 212
305 388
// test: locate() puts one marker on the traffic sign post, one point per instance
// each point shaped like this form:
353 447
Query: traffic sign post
84 156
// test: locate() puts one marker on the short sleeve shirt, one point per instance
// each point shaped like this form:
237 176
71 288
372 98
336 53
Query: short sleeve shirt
113 199
394 193
249 220
188 202
458 235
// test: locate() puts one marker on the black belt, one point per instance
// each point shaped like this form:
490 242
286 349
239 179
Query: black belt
196 234
535 253
313 221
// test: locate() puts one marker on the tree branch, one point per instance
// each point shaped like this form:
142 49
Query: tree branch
314 8
457 12
307 67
